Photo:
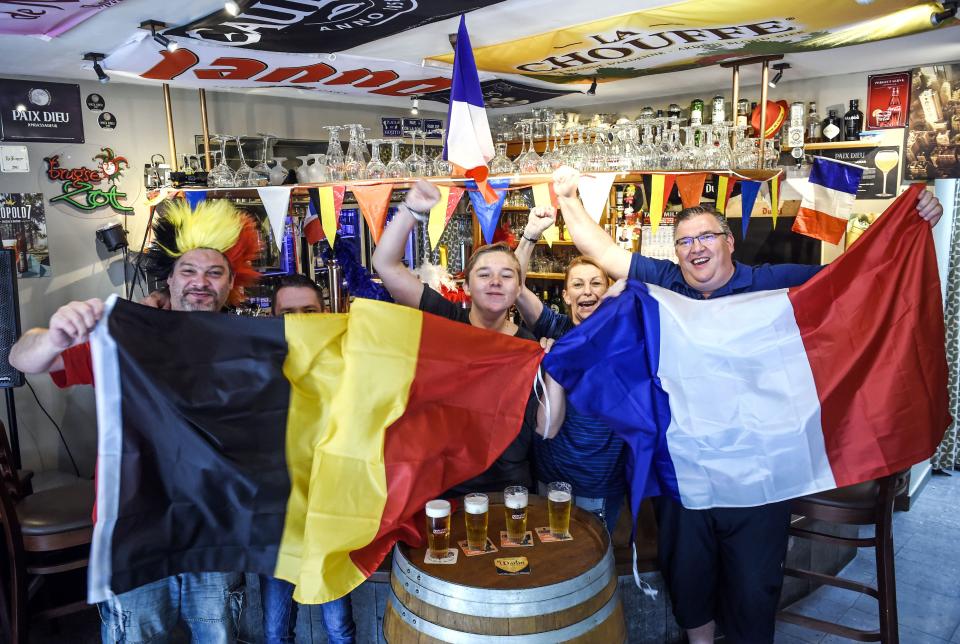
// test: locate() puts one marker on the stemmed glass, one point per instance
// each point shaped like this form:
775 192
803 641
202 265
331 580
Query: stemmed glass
396 168
335 159
529 161
245 176
442 167
413 159
501 163
376 168
265 154
354 165
221 176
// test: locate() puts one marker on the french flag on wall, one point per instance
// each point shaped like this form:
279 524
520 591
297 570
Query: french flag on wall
469 145
828 200
760 397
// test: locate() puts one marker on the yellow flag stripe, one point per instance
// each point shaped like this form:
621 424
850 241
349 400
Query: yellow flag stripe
438 217
328 213
348 487
656 201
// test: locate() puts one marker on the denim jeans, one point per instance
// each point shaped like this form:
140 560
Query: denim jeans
280 615
606 508
208 603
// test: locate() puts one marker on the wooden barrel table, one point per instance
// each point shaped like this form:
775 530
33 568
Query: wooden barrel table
570 594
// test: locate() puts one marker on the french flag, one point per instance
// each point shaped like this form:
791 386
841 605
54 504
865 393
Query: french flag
760 397
469 145
828 200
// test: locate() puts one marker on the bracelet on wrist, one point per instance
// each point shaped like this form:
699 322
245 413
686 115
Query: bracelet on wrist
524 235
422 217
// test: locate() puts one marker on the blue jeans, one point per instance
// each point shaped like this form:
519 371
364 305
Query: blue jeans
605 508
280 614
208 603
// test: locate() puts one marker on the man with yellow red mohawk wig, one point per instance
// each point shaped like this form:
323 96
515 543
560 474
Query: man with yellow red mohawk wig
206 257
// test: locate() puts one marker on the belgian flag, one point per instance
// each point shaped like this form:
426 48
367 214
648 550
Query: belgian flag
301 447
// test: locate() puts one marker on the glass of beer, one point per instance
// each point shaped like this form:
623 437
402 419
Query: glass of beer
438 528
475 508
559 500
515 500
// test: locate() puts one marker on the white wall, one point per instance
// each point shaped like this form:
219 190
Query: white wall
82 270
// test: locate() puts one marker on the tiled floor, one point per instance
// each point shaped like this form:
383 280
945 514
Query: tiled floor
927 547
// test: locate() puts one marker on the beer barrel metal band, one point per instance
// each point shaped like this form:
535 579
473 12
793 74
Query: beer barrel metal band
504 603
547 637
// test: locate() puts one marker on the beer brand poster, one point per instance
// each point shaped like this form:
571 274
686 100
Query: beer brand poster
888 97
933 142
23 228
695 33
35 111
47 18
311 26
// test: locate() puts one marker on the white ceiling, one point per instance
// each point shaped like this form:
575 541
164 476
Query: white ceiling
61 57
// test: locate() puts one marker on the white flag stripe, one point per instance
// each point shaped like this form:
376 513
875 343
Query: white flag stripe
469 143
828 201
720 460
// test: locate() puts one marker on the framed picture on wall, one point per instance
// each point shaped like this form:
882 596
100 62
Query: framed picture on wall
933 144
888 96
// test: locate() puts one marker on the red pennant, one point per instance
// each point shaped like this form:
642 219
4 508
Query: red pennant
373 202
691 188
668 181
453 201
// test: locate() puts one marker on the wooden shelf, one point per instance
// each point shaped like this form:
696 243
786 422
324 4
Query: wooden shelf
559 242
545 276
872 142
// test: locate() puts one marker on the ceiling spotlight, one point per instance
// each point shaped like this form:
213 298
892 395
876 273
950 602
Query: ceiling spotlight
231 7
95 58
593 87
415 108
776 79
939 17
153 26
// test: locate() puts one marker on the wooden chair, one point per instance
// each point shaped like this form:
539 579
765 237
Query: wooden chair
863 504
45 534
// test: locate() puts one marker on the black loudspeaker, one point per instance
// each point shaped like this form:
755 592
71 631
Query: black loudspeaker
9 318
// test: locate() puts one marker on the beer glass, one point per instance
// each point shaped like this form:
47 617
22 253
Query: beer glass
515 500
438 528
475 508
559 500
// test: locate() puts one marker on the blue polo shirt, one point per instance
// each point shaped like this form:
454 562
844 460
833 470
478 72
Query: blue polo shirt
746 279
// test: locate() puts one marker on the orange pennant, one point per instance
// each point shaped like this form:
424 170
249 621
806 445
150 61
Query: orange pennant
691 188
373 202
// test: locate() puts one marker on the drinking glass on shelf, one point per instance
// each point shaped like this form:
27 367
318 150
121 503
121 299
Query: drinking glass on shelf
335 158
501 163
528 162
263 168
412 161
442 167
221 175
246 177
886 160
396 168
376 168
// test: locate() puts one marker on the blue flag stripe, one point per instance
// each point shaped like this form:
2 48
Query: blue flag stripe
836 176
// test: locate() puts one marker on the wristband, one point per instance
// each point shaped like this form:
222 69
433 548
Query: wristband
422 217
524 235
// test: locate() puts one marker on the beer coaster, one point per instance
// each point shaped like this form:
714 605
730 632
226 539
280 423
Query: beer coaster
512 565
446 561
546 536
473 553
505 542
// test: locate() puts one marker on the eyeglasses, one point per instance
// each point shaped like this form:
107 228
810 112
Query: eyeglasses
706 239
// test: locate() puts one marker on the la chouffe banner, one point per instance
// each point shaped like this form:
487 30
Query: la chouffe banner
23 228
205 66
309 26
47 18
35 111
695 33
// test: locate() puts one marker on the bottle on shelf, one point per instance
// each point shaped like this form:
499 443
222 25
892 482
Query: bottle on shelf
696 112
853 122
743 116
832 127
556 300
719 110
813 124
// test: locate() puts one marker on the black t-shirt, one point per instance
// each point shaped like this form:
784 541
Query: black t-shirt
513 466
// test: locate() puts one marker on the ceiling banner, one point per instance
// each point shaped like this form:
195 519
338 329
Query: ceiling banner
48 18
696 33
204 66
309 26
504 93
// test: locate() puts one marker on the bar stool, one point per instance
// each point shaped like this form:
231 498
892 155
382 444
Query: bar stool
861 504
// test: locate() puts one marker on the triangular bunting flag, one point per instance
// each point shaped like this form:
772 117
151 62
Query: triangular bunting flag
331 198
488 214
373 202
194 197
724 190
312 228
660 187
276 200
456 194
691 188
775 199
438 217
543 196
748 197
595 192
